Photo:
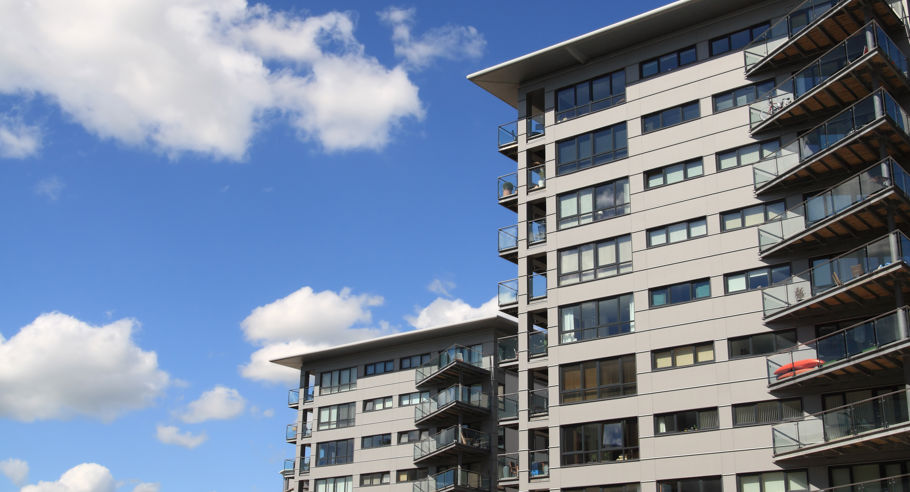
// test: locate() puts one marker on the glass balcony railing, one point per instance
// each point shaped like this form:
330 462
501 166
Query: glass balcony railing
508 133
290 432
507 185
833 62
875 414
507 349
858 188
304 465
507 466
507 406
469 395
455 353
537 177
293 397
508 238
450 437
840 346
778 34
308 394
537 343
288 468
307 430
539 401
535 126
539 462
508 292
894 483
537 286
537 231
454 478
833 273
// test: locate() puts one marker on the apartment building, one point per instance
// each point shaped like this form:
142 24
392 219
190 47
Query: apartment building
711 201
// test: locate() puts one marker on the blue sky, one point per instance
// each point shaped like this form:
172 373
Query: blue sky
192 187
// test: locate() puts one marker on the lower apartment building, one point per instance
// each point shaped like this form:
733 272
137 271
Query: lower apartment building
711 214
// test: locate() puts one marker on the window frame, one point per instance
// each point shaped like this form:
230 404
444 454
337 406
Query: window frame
607 389
335 378
386 367
766 214
692 347
658 59
629 430
370 442
620 267
761 481
385 478
349 444
378 404
337 422
594 159
406 399
666 229
663 172
421 435
347 484
420 358
621 204
676 423
776 336
755 414
739 152
675 485
754 31
592 105
599 330
679 111
692 297
759 89
411 474
769 271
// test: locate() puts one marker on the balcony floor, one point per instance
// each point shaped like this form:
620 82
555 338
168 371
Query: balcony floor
872 443
449 453
450 412
457 371
877 363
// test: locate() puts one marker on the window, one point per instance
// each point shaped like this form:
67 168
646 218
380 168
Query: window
590 96
414 361
761 343
674 173
413 436
411 475
336 416
375 404
766 412
685 355
737 40
591 149
599 442
750 216
594 204
687 421
378 478
670 117
755 278
413 398
595 260
376 441
378 368
337 484
745 155
773 481
701 484
335 452
625 487
597 319
679 293
337 381
846 475
668 62
597 379
678 232
741 96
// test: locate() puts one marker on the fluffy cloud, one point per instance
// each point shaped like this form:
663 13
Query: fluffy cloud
451 42
18 140
87 477
50 188
448 311
59 367
441 287
15 470
169 434
147 487
218 403
203 75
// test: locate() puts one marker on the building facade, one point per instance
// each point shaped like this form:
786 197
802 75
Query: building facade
711 205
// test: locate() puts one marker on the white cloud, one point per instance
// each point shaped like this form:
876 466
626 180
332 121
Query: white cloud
204 75
59 367
260 369
18 140
451 42
218 403
147 487
449 311
50 188
441 287
15 470
87 477
169 434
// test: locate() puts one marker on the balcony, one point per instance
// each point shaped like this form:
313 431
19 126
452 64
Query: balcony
456 363
294 398
508 243
856 207
844 74
508 293
813 27
290 433
454 479
839 147
535 126
288 469
507 406
870 348
467 401
537 287
859 278
537 231
507 136
539 464
537 177
507 466
507 349
449 443
538 402
537 343
878 422
307 430
507 186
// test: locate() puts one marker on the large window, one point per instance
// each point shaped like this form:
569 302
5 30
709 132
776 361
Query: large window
411 475
750 216
337 484
670 117
761 343
678 232
335 452
376 441
773 481
737 40
336 416
594 204
625 487
599 442
375 404
679 293
337 381
683 356
756 278
406 437
701 484
597 319
745 155
414 361
674 173
741 96
414 398
378 478
595 260
668 62
766 412
591 149
844 475
687 421
597 379
591 95
379 368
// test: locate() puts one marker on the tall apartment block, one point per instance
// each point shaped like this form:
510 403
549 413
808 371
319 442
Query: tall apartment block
711 205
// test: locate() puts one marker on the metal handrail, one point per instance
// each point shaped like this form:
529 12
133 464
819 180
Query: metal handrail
508 238
454 354
451 436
